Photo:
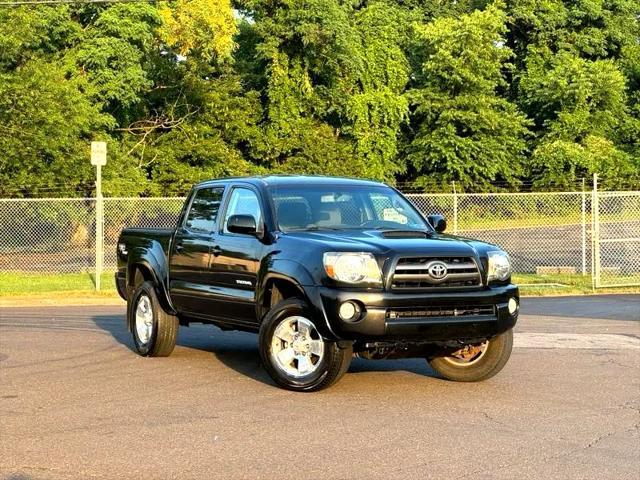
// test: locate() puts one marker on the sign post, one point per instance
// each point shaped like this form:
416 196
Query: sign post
99 158
595 233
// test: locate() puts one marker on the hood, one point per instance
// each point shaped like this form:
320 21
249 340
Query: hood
398 242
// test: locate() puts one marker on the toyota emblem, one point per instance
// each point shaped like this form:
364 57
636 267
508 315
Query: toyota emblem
437 270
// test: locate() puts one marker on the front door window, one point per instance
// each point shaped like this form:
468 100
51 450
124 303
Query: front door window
243 202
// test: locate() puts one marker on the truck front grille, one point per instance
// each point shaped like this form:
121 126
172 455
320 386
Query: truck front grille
439 311
426 273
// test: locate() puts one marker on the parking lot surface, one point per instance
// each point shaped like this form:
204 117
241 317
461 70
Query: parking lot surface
76 402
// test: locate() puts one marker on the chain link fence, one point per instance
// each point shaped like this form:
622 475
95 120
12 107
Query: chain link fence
120 213
617 239
47 235
588 233
543 232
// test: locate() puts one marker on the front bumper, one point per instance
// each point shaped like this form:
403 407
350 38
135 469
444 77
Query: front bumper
378 323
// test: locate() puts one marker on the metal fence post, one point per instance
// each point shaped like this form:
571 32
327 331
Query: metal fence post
595 214
584 229
99 228
455 209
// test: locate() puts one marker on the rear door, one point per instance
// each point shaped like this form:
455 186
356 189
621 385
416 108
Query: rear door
191 250
235 259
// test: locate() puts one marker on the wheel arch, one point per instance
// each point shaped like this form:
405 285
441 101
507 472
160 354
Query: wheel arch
295 281
276 287
150 263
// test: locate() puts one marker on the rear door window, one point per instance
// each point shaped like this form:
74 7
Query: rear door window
203 212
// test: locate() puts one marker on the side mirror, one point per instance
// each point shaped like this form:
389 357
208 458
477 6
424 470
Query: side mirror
438 223
244 224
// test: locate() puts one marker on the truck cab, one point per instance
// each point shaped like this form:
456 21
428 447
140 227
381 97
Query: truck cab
322 268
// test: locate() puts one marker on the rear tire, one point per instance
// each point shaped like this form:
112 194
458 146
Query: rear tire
483 365
294 354
154 330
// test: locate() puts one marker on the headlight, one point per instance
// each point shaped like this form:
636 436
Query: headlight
499 266
352 267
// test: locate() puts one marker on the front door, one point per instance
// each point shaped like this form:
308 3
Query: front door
191 251
235 261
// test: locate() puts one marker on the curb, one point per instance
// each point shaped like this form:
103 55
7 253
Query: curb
62 299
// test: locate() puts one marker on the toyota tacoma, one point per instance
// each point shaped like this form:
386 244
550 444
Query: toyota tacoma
322 269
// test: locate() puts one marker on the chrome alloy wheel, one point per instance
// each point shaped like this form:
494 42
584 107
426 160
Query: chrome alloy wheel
296 347
144 319
468 355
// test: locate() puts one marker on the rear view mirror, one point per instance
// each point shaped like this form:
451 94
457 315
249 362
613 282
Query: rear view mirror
438 223
244 224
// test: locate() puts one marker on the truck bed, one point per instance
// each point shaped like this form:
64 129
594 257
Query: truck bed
131 236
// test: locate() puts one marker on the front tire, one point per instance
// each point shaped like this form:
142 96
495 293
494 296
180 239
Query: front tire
154 330
475 363
293 352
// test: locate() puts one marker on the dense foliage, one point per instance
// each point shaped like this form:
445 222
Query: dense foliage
486 94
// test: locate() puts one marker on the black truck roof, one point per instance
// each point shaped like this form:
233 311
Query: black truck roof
290 180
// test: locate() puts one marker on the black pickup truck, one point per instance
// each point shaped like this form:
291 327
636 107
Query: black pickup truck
322 268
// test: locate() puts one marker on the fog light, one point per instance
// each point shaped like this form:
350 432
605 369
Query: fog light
513 306
349 311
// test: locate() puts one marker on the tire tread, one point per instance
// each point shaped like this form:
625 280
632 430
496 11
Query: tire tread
166 325
338 361
493 361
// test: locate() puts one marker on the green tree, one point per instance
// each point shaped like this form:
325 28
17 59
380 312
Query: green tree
580 105
463 129
193 120
203 28
46 124
304 49
473 91
377 106
335 77
576 81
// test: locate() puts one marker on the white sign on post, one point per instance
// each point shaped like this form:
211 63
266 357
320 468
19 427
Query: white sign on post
99 153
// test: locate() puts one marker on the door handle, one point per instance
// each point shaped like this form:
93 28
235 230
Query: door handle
216 251
179 247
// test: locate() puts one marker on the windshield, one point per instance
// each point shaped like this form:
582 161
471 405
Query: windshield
326 207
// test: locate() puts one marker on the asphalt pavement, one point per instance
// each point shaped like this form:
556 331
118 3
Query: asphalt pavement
77 403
